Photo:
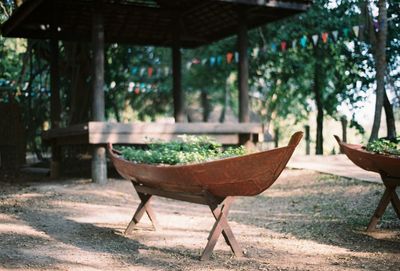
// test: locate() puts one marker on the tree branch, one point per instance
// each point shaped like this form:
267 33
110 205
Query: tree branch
4 9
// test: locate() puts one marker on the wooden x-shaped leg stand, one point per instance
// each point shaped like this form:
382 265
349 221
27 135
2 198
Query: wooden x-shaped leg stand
219 208
388 196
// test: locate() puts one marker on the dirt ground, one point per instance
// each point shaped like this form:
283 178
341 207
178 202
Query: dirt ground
305 221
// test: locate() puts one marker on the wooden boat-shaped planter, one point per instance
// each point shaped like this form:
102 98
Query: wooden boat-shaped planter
389 169
213 183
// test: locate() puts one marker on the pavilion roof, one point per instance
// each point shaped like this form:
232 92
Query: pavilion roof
145 22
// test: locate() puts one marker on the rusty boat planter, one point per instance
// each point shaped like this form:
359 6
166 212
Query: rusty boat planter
389 169
213 183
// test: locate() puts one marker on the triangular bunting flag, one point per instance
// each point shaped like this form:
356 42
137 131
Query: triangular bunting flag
315 39
335 35
204 61
166 71
219 60
256 50
356 30
236 57
134 70
150 71
283 46
212 60
273 47
229 57
142 71
346 32
303 41
324 37
188 65
294 44
195 61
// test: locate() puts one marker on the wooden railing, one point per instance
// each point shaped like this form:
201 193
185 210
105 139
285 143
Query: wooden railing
140 133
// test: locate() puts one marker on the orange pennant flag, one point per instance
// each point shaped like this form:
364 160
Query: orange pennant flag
324 37
229 57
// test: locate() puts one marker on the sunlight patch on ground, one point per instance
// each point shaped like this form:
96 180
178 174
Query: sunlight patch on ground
21 230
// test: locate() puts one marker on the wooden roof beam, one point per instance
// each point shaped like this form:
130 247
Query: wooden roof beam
273 4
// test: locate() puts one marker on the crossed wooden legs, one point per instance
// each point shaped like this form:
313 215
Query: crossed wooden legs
143 207
388 196
221 226
219 208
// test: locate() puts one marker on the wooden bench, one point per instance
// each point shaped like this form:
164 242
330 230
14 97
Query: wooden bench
101 133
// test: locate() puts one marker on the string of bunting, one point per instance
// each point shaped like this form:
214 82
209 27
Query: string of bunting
282 46
233 57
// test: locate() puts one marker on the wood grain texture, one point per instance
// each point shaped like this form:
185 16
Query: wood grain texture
246 175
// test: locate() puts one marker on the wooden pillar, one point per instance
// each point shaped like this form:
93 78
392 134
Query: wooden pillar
179 99
343 121
307 138
55 106
99 165
243 68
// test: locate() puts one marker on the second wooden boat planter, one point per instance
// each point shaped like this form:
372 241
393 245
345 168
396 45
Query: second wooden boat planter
213 183
389 169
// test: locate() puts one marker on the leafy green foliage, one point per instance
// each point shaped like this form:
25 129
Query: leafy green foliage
189 149
383 146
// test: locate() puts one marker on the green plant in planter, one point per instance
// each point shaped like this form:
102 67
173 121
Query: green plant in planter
383 146
185 150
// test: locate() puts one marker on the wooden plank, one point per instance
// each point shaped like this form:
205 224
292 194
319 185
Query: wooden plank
139 133
175 128
71 140
145 138
78 129
199 199
291 5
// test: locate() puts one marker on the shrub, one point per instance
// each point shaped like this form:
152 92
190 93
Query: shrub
185 150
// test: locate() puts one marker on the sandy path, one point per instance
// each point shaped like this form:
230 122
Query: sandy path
306 221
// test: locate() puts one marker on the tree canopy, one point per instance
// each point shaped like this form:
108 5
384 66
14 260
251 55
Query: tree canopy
313 62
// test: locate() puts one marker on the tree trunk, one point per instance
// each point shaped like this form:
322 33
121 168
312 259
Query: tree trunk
317 89
225 105
380 66
343 121
390 121
205 103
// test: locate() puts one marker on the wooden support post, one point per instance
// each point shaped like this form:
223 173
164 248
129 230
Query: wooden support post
276 137
55 106
307 138
243 68
344 122
179 97
99 165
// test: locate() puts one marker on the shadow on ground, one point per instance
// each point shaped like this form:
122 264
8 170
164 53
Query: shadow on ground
50 226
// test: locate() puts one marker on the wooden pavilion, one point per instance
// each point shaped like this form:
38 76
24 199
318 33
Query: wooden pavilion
171 23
